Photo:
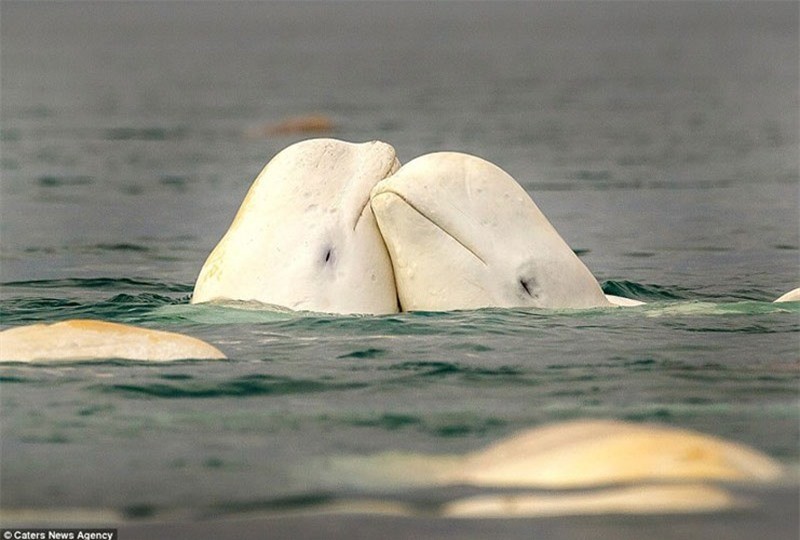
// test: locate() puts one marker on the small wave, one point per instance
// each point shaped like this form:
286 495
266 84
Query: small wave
120 307
445 426
131 305
426 370
13 379
642 291
466 428
124 246
388 421
151 133
252 385
304 501
59 181
101 283
365 353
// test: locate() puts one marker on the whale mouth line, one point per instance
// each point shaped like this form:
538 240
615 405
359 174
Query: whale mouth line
429 220
390 170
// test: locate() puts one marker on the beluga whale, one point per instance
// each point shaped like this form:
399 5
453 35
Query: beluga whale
463 234
578 467
791 296
78 340
305 237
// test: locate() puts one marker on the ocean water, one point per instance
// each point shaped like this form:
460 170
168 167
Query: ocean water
660 139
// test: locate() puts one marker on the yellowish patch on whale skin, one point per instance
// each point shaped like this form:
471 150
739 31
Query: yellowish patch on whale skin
82 339
595 452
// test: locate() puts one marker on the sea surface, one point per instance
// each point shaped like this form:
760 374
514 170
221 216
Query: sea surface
660 139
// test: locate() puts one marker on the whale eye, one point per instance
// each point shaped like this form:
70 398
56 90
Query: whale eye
329 255
527 285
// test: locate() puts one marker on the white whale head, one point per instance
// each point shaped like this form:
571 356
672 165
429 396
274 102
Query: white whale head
463 234
305 237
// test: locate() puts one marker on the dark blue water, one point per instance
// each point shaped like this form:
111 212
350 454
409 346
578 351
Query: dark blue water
660 139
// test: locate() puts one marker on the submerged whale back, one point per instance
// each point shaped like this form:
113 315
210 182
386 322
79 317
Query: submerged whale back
78 339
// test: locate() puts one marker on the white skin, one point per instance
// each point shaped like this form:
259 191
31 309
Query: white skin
463 234
98 340
305 238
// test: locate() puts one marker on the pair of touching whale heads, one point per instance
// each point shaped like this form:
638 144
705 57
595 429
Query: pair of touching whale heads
338 227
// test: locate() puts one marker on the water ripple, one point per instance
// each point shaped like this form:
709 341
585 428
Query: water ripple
102 282
248 386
